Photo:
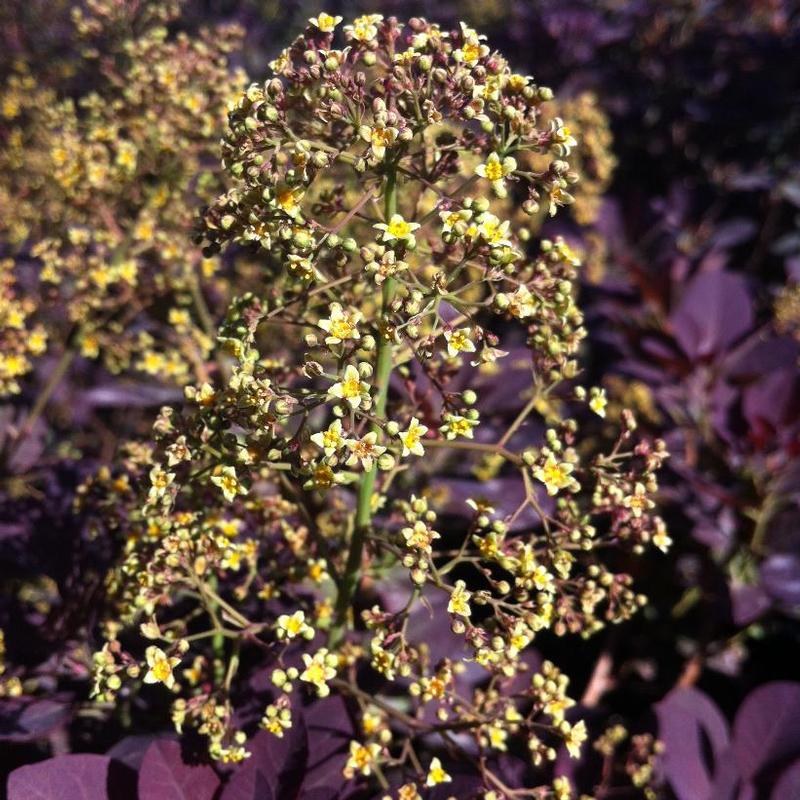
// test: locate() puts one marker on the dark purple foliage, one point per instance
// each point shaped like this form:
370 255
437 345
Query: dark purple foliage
164 775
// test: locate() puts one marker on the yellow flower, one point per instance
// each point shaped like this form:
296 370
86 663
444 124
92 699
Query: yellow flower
408 792
290 626
340 325
288 200
126 156
563 135
661 539
576 736
160 481
397 229
330 440
493 232
459 341
495 170
364 28
276 720
37 341
178 451
364 450
351 388
318 570
638 502
459 600
456 425
411 438
598 403
325 22
450 219
319 670
419 536
554 475
522 303
280 63
362 757
436 774
228 482
472 49
379 138
160 666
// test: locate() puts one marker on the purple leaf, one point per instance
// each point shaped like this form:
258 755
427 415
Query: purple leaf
24 721
330 729
732 232
713 313
767 727
780 578
684 716
132 749
275 768
72 777
788 785
165 776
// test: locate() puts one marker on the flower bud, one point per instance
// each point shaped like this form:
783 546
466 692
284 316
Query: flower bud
386 461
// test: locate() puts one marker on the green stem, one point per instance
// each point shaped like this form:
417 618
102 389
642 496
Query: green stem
363 518
43 399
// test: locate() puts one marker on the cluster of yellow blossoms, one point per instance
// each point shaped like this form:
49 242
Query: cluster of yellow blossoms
298 513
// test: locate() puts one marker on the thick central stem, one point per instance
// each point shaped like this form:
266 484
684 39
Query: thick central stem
382 373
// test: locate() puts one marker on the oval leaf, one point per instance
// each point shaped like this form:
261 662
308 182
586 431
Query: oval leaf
767 727
684 716
165 776
72 777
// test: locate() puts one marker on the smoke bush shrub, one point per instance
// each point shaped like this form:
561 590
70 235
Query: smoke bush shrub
289 532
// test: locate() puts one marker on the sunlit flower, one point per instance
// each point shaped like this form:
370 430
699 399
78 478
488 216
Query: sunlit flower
419 536
160 666
456 425
364 450
661 539
279 64
436 774
160 481
576 736
229 483
459 341
325 22
351 388
364 28
319 670
598 402
495 170
459 600
411 438
638 502
379 138
288 200
450 219
340 325
293 625
331 439
362 758
397 229
472 50
555 475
